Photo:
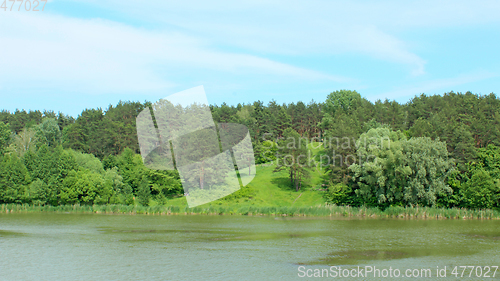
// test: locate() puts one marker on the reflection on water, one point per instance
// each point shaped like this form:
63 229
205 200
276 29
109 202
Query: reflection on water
5 233
354 257
111 247
494 235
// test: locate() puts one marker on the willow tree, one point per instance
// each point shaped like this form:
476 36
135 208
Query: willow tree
394 170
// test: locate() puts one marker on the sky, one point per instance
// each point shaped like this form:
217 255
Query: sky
87 54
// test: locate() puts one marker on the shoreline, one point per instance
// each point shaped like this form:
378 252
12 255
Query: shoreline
249 210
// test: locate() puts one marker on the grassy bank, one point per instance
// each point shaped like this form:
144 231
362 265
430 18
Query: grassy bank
249 210
270 189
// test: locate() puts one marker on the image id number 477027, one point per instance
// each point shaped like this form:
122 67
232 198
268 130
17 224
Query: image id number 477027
23 5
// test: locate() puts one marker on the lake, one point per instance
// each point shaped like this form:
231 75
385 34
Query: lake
50 246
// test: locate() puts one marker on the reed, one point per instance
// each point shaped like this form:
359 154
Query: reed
397 212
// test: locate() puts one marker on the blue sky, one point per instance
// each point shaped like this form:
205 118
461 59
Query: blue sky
87 54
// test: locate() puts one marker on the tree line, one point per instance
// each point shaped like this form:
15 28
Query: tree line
444 151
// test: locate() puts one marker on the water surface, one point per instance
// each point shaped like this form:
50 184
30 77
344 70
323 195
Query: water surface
50 246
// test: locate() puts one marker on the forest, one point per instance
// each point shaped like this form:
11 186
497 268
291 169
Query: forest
441 150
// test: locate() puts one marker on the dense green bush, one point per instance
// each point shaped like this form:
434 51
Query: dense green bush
53 175
341 194
481 191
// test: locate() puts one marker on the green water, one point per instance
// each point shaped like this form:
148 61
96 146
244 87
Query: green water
139 247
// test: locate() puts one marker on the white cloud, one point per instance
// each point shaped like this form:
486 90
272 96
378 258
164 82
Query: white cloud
303 28
100 56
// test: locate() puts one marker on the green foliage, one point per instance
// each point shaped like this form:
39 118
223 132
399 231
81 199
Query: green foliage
343 100
48 132
165 183
23 142
293 157
51 165
489 159
85 187
265 152
482 191
131 168
5 134
38 193
395 170
87 162
109 162
133 171
341 133
105 133
414 170
455 197
144 192
341 194
53 175
462 146
14 179
122 193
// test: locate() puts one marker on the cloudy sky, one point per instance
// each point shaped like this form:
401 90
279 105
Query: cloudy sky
87 54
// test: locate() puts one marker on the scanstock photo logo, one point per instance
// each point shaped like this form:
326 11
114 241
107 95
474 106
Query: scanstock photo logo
178 132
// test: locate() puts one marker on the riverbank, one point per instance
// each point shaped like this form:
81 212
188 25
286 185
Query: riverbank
311 211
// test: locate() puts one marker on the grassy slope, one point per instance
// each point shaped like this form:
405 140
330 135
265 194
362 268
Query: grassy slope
273 189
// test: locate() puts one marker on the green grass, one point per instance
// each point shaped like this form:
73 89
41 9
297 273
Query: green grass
269 189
